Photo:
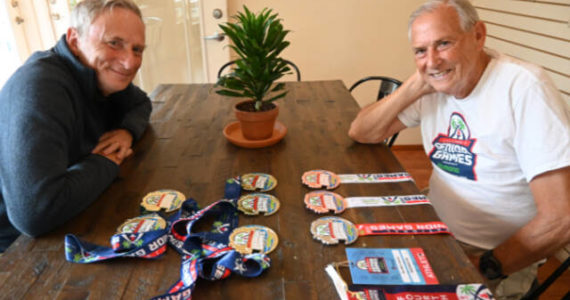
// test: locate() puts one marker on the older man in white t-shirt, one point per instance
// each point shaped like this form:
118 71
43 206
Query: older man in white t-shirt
498 134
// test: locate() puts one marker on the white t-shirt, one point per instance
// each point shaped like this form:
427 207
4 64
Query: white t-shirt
487 147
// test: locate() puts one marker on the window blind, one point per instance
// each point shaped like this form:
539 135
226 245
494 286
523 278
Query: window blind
534 31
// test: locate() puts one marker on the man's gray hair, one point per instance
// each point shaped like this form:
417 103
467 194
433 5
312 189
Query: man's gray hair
467 14
87 11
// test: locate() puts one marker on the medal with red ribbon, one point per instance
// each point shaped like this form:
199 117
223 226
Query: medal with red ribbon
468 291
332 230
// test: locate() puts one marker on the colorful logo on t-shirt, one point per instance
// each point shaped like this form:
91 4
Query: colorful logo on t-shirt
452 152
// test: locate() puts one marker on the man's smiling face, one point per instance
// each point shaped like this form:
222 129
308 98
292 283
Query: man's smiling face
448 58
113 47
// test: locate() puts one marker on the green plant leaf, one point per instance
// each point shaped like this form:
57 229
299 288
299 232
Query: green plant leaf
258 39
277 97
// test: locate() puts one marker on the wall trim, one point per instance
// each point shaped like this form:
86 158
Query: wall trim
407 148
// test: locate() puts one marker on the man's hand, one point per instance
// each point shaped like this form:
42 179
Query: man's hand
115 145
419 86
114 157
379 120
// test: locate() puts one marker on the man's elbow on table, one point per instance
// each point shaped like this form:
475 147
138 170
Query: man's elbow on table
358 134
34 223
32 226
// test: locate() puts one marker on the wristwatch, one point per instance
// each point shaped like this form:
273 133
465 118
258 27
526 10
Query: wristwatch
490 266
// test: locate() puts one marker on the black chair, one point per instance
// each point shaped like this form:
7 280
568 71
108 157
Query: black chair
538 289
387 86
290 63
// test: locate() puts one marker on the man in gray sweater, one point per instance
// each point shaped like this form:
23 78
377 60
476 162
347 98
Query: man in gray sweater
69 117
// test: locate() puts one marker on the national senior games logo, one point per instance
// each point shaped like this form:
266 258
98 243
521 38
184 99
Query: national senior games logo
452 152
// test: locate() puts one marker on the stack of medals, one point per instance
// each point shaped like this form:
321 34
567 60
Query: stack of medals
206 254
256 238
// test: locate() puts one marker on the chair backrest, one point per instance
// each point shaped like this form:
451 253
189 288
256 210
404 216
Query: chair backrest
387 86
290 63
563 255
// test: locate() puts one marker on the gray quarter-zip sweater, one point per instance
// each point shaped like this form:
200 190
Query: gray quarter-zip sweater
52 115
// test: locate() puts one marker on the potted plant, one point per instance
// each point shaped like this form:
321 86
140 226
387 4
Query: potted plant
258 40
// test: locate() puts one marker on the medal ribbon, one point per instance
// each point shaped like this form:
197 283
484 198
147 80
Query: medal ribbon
375 178
150 244
472 291
215 266
386 201
205 254
402 228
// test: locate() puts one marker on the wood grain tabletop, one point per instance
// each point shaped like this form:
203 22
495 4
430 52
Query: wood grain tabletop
184 149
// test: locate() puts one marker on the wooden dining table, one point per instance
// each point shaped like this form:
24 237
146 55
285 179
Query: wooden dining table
184 149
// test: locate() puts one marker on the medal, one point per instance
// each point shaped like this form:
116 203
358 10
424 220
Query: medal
332 230
167 200
253 204
258 182
325 201
253 239
143 223
317 179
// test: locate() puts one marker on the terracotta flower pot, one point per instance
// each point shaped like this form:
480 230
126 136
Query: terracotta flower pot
256 125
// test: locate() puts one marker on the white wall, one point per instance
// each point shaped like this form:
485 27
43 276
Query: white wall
346 40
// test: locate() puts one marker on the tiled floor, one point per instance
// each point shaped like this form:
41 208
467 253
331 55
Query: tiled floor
414 160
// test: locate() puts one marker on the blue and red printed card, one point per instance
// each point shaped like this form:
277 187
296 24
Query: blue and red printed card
390 266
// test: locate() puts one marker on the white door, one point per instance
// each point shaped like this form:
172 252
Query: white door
216 50
181 41
28 26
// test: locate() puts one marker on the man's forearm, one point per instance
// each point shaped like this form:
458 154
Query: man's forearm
48 198
373 123
539 239
548 231
379 120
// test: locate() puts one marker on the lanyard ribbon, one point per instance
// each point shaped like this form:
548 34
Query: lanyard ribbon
326 179
326 201
215 266
386 201
375 178
151 244
205 254
402 228
472 291
432 292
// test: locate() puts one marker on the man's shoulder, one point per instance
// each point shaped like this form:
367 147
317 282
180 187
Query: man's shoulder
44 83
44 72
508 66
45 65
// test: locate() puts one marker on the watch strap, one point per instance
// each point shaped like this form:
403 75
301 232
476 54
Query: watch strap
490 266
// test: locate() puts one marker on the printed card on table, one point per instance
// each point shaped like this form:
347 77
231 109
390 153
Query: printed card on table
390 266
